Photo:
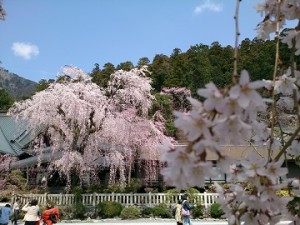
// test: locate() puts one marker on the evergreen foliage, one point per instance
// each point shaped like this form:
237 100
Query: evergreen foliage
109 209
216 211
198 211
157 211
130 213
6 100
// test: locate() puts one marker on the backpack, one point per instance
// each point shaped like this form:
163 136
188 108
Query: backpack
53 217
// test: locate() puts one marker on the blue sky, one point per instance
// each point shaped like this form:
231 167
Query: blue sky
38 37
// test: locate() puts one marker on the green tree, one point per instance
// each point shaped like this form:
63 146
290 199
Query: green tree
127 66
257 56
96 69
199 68
160 69
43 84
101 77
6 100
178 64
221 60
163 104
143 61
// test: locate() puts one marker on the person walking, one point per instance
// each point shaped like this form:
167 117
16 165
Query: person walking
50 215
178 216
16 211
186 209
5 213
32 210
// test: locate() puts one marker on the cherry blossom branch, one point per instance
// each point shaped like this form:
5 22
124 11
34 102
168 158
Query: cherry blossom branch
293 50
237 34
255 149
273 111
287 144
2 11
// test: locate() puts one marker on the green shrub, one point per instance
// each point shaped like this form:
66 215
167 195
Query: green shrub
133 186
172 191
216 211
192 191
226 186
161 212
16 181
197 212
192 194
4 198
77 191
66 213
130 213
163 205
109 209
172 195
79 211
157 211
147 211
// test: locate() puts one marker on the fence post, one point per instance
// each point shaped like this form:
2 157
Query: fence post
205 200
149 199
60 199
94 199
45 199
113 197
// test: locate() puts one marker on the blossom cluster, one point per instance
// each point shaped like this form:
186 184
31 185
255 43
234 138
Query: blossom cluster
223 118
232 116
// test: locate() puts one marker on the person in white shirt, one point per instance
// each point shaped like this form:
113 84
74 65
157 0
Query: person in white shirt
32 210
16 211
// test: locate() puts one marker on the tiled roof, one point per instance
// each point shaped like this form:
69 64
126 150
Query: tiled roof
241 152
13 137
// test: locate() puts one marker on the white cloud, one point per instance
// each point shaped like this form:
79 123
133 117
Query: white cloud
208 5
25 50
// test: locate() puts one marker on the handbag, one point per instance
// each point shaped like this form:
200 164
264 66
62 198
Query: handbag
185 212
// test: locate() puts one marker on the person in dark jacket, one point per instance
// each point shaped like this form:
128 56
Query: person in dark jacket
5 214
16 211
186 219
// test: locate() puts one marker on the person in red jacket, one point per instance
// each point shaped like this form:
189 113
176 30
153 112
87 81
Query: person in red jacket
50 215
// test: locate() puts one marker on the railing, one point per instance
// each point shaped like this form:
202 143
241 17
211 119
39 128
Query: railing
137 199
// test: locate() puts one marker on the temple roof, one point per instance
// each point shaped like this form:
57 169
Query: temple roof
14 137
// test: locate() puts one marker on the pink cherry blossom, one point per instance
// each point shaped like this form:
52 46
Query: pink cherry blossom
245 92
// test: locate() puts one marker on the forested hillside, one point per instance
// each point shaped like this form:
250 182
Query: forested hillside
202 63
16 86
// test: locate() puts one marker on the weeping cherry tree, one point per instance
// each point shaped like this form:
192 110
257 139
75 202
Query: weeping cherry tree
93 128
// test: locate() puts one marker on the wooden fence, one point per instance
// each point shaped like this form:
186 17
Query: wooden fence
131 199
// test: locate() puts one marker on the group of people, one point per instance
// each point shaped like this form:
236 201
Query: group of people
182 211
33 215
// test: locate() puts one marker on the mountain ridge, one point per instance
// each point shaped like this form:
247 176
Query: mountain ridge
15 85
